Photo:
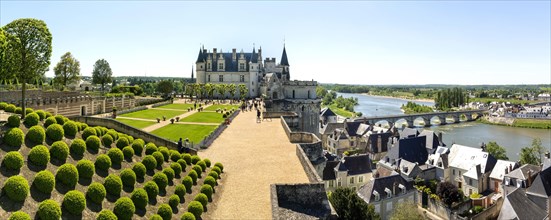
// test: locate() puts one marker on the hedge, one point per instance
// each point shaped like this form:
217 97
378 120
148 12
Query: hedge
78 147
55 132
180 191
14 137
124 208
140 198
32 119
150 162
14 121
113 184
188 182
165 152
176 168
36 134
128 152
60 119
183 164
128 177
19 215
202 198
139 169
39 155
169 172
106 214
165 211
107 140
96 192
193 176
137 146
49 210
74 202
70 128
196 208
207 162
86 169
17 188
188 216
122 142
152 189
195 159
67 174
13 160
41 114
89 131
159 158
116 155
93 143
44 181
59 150
103 162
211 181
161 179
49 121
150 148
219 165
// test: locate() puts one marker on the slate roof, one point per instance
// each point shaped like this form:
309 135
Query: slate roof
499 169
355 165
352 127
329 170
432 139
327 112
409 132
379 184
521 173
410 149
229 64
464 158
542 184
330 127
284 60
518 206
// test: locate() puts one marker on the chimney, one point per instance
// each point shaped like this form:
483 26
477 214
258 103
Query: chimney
547 155
214 53
529 178
440 141
510 167
234 54
506 170
478 170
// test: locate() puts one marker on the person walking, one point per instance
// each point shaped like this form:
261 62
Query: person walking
257 116
180 147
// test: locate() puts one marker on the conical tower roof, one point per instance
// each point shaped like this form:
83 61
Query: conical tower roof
284 60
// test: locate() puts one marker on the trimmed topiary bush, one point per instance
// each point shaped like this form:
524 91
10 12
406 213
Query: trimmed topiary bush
78 147
124 208
41 114
211 181
67 174
217 170
180 191
59 150
19 215
18 110
39 155
202 165
193 176
140 199
13 160
49 210
116 155
86 169
214 175
107 140
128 152
17 188
175 155
28 111
156 217
139 169
183 164
113 184
55 132
128 177
10 108
195 159
96 192
165 211
122 142
188 216
176 167
207 190
169 172
188 182
196 208
3 105
74 202
44 181
93 143
159 158
152 189
70 128
14 137
60 119
32 119
103 162
219 165
202 198
49 121
137 146
114 134
198 169
88 132
161 179
14 121
173 201
150 148
150 162
36 134
49 114
207 162
106 214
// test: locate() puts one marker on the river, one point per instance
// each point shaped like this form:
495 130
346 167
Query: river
465 133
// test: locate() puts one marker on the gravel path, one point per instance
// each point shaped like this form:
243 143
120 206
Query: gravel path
254 156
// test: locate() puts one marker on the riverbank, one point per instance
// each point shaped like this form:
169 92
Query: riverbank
518 122
340 111
400 98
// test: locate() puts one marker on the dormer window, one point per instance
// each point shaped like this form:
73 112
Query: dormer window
241 66
377 196
209 66
388 193
402 188
220 66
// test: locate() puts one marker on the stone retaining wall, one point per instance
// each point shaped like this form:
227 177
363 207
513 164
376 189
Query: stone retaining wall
205 143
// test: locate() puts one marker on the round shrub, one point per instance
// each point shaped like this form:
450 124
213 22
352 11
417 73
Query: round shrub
180 191
187 158
49 210
17 188
198 169
128 152
137 146
19 215
49 121
175 155
217 170
14 137
159 158
18 110
214 175
70 128
161 179
59 150
103 162
13 160
114 134
106 214
183 164
10 108
207 190
150 162
28 111
116 155
210 180
96 192
86 169
202 198
32 119
219 165
202 165
196 208
14 121
39 155
41 114
78 147
49 114
169 172
36 134
165 152
176 167
156 217
140 141
152 189
44 181
165 211
99 131
207 162
188 216
193 176
113 184
67 174
82 126
139 169
88 132
107 140
140 199
173 201
124 208
74 202
60 119
122 142
93 143
128 177
130 139
195 159
150 148
55 132
188 182
3 105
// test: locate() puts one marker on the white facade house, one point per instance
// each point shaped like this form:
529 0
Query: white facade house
470 168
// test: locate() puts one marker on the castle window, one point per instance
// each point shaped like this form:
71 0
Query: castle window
331 184
242 78
208 78
220 78
241 66
209 66
352 180
220 66
293 94
361 179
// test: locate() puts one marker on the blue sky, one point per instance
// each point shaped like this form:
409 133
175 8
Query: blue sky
357 42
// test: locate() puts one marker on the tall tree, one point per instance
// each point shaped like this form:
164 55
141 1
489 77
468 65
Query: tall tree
231 89
242 90
165 87
406 210
349 205
210 88
67 70
448 193
497 151
221 89
532 154
32 49
102 73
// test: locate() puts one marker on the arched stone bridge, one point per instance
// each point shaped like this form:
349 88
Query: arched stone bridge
427 117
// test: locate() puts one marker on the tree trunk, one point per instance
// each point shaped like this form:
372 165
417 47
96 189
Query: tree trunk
23 104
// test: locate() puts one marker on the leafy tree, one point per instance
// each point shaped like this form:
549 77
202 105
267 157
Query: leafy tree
165 87
198 90
448 193
532 154
102 73
209 87
67 70
497 151
242 90
221 89
406 210
320 91
348 205
232 89
32 51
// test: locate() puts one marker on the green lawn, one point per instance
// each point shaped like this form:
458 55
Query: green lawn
340 111
532 123
136 123
208 117
228 107
153 114
177 106
195 133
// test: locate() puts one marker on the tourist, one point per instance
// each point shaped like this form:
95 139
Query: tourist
258 116
180 147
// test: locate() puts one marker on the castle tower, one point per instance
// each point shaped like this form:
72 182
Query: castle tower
285 74
200 67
